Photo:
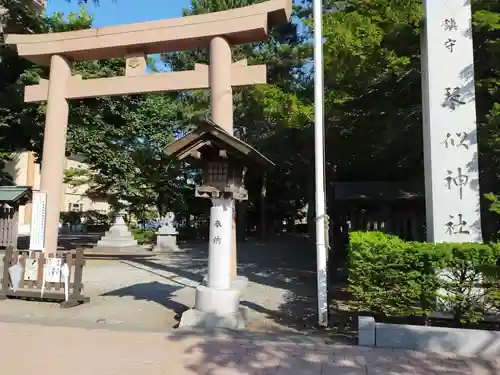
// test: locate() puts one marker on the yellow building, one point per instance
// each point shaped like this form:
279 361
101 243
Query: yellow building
26 172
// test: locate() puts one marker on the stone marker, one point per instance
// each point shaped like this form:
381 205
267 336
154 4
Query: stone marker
452 195
166 236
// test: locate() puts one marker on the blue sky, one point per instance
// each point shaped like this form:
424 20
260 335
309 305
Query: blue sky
115 12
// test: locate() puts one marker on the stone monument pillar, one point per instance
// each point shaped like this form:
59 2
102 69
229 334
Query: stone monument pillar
166 237
450 135
220 244
118 236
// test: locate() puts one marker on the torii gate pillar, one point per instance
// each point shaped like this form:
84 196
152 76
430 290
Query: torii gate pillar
220 83
54 147
222 108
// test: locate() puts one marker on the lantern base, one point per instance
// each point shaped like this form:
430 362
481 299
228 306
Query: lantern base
216 308
198 320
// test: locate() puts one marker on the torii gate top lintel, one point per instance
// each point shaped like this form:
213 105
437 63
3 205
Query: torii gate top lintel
241 25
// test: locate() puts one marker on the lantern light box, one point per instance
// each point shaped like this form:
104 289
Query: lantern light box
223 160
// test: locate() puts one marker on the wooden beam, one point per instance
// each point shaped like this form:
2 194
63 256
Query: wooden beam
183 153
79 88
195 154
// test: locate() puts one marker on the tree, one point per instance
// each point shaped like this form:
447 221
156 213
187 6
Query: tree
373 94
264 115
123 139
372 101
21 124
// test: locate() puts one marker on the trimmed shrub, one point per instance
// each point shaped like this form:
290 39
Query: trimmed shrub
392 277
381 277
144 236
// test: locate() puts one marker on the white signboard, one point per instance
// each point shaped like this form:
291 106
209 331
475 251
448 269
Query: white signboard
37 231
53 268
450 133
31 269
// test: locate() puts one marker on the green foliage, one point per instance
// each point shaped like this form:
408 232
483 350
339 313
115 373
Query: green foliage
494 202
392 277
275 118
144 236
382 278
21 123
76 177
372 107
471 266
90 217
6 179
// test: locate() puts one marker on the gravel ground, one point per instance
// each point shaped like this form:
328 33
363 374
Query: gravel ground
149 293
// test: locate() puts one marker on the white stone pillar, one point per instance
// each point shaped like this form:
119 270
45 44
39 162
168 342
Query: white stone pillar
220 241
449 114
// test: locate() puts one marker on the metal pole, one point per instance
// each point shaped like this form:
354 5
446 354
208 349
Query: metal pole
319 164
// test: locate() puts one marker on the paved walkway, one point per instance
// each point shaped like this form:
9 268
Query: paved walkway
147 293
29 349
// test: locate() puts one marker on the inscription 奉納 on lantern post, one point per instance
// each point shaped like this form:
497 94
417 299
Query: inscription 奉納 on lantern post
450 133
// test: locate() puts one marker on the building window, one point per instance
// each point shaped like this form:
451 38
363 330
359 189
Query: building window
75 207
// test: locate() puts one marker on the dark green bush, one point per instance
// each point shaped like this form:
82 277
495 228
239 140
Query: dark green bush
144 236
380 274
392 277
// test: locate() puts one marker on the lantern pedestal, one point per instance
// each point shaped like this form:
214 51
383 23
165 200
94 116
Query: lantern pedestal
216 309
217 302
118 236
195 319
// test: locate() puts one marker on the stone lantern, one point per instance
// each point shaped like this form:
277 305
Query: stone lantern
223 160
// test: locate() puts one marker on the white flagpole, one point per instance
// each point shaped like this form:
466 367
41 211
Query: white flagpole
319 165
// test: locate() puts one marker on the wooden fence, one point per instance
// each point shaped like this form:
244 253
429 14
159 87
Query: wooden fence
31 279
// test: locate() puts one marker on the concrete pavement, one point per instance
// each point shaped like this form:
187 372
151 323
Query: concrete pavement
29 349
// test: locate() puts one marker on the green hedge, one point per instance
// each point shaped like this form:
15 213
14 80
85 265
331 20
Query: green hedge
144 236
392 277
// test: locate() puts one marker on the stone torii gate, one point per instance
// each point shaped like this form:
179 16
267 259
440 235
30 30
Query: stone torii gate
217 31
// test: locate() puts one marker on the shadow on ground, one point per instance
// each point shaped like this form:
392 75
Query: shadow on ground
152 291
286 264
259 353
66 241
